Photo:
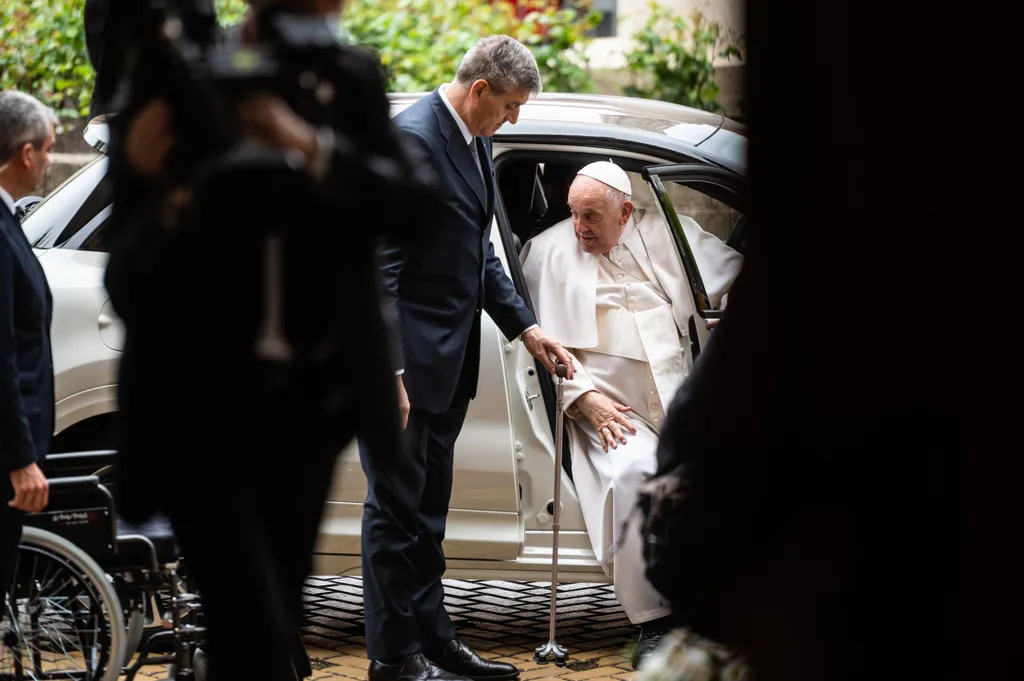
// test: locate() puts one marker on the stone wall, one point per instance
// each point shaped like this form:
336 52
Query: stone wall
70 153
729 78
712 215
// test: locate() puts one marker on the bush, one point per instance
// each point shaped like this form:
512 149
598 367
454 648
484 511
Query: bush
419 42
673 60
42 52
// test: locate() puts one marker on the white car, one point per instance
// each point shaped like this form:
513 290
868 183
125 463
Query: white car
499 527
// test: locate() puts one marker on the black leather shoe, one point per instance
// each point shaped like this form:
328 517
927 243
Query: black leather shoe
650 638
456 657
413 668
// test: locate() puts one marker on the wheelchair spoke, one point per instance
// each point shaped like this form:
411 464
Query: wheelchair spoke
53 625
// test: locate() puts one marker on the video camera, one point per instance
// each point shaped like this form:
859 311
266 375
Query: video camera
176 46
297 241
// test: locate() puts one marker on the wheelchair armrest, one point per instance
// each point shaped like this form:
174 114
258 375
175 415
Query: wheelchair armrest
82 511
71 464
70 485
98 457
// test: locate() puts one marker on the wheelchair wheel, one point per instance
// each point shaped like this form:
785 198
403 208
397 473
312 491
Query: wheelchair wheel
62 617
199 667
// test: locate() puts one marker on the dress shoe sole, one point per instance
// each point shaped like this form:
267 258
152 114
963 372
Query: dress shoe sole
495 677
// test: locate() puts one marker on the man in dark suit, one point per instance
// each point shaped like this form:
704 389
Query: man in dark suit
436 294
817 470
26 366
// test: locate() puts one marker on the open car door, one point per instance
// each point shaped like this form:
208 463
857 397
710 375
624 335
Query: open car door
720 185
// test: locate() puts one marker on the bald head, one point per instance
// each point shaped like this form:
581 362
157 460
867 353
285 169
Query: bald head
599 214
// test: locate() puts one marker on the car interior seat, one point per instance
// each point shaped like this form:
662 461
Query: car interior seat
519 183
554 185
737 237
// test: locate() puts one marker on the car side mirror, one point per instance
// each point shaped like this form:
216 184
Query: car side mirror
25 204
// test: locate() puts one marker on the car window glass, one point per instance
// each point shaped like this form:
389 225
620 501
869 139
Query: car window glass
691 213
47 226
92 235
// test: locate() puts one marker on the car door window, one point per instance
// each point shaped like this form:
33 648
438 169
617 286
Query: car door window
710 197
70 208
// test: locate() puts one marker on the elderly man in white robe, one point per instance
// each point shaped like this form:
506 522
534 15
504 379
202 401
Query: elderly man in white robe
608 282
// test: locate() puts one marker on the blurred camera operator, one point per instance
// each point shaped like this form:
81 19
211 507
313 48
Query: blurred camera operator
26 365
242 469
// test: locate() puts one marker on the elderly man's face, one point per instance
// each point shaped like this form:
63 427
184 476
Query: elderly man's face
597 219
489 111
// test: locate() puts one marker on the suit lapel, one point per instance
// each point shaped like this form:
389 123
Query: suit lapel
14 234
458 151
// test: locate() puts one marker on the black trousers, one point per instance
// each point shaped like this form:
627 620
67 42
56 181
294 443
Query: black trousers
404 520
247 525
11 523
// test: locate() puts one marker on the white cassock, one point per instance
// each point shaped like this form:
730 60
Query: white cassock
624 317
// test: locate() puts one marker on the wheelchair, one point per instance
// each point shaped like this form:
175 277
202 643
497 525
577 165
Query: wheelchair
85 582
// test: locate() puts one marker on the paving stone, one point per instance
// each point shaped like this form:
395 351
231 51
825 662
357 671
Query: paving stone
502 620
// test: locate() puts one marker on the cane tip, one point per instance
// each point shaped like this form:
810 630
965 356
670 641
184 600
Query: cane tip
561 370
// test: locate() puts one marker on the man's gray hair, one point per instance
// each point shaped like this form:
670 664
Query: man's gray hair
505 63
23 120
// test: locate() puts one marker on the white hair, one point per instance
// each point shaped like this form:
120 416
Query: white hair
619 197
23 120
505 63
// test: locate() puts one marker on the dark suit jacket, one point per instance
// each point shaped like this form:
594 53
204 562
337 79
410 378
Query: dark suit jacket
435 291
26 364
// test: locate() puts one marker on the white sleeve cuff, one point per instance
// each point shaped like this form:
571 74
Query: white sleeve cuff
529 328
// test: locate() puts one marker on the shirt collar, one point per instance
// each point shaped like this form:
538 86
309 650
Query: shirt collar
8 200
455 114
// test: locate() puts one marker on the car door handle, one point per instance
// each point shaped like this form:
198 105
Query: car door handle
105 321
529 398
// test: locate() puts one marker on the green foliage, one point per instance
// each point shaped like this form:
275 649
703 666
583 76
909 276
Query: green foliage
558 40
230 12
42 51
420 42
673 60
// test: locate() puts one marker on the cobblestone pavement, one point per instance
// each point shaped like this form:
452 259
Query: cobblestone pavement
500 620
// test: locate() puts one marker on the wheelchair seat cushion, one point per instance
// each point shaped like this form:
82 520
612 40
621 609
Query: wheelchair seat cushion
157 530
